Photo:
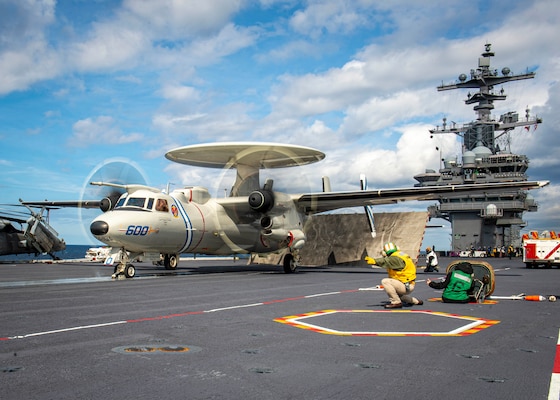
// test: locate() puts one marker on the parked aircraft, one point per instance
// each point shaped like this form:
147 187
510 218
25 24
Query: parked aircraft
32 235
153 224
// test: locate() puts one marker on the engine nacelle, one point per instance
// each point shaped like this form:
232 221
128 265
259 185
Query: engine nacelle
267 223
295 238
110 201
106 204
261 200
298 239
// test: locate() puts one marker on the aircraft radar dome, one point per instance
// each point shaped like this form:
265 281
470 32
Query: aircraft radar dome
462 77
506 71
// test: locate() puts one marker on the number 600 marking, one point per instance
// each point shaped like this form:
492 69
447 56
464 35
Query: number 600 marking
137 230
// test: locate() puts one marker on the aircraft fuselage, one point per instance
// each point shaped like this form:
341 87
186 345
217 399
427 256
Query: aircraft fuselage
185 221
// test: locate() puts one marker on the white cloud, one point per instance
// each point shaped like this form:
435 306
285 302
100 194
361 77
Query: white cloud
23 21
156 33
180 93
290 50
548 215
178 19
331 16
110 46
320 93
25 56
228 40
100 131
161 33
379 113
22 67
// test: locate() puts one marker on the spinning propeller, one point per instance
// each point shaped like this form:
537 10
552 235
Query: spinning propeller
116 170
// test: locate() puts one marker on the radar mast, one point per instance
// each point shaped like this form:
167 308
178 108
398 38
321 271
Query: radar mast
483 222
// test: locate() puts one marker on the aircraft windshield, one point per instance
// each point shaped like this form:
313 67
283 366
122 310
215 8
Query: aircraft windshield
136 202
121 201
141 202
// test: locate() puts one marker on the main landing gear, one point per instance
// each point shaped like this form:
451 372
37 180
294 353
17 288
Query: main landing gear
291 262
170 261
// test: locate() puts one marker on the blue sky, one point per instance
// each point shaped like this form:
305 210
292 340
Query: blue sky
87 83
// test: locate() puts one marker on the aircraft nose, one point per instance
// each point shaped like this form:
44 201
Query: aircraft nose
99 228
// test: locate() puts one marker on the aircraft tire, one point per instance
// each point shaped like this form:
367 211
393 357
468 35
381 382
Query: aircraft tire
290 264
129 271
171 261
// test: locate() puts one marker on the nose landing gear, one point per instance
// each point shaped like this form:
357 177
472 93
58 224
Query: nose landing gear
124 267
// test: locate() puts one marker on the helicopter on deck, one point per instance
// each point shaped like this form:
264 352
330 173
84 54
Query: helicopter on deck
28 232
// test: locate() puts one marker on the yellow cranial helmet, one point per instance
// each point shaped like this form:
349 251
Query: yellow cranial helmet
389 248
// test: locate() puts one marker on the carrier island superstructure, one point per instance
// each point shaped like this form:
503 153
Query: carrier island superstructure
483 221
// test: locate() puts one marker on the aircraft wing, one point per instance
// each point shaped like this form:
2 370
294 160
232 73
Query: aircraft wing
320 202
112 196
69 203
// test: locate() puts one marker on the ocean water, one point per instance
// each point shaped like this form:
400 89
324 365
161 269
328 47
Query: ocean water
72 251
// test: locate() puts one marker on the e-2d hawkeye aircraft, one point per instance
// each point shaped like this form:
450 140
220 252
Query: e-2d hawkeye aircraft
148 222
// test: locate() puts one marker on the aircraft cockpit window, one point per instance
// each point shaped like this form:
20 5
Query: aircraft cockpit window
161 205
121 201
136 202
150 204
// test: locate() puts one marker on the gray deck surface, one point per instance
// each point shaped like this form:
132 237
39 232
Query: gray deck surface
220 330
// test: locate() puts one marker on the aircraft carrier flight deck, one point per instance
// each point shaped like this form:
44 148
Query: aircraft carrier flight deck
226 330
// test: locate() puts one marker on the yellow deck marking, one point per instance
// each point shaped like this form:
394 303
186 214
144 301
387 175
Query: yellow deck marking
466 325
